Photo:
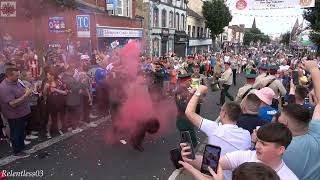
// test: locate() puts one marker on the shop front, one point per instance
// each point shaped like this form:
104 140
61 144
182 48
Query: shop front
110 38
180 43
199 46
164 41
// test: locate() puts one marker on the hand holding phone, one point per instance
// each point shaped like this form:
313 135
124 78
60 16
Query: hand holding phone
295 77
186 138
211 157
175 156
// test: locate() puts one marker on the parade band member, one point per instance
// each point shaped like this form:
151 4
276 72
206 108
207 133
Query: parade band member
247 88
226 79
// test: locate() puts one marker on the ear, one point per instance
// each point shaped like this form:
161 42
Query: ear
281 150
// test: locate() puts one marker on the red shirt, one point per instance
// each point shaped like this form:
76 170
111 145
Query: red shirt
33 67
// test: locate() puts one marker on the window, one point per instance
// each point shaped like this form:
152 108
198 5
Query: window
171 19
120 7
164 18
201 33
169 2
177 21
155 17
182 21
198 32
205 33
193 31
189 29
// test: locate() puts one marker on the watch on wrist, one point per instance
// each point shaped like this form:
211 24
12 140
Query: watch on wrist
197 94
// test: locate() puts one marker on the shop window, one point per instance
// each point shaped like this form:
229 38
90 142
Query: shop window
193 31
177 21
189 29
205 33
155 17
155 44
171 19
201 33
164 18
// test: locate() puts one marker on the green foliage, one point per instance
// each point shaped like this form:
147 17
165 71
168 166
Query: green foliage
254 35
285 38
313 16
217 16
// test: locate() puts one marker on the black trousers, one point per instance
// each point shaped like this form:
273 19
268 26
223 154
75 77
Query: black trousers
17 133
73 116
85 108
33 123
224 93
234 73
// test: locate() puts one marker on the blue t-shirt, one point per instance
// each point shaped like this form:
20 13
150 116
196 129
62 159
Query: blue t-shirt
267 112
212 61
308 105
302 155
166 75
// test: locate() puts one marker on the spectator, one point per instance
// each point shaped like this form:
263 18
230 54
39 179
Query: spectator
227 135
298 95
249 118
266 112
15 108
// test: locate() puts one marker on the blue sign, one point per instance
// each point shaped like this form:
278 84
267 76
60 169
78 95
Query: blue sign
83 25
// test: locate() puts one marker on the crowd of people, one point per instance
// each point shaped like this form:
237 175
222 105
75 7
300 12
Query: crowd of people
270 127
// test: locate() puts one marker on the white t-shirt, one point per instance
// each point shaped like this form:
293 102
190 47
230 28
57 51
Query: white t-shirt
228 136
237 158
284 67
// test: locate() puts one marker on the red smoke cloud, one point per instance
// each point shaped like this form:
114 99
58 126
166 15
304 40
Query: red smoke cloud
139 105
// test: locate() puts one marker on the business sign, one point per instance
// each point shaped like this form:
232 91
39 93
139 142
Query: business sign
83 26
8 9
56 24
106 32
280 4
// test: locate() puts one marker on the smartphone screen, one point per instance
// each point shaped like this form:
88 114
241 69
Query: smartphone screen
295 77
211 158
175 156
186 138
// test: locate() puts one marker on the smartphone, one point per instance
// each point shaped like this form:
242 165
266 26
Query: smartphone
295 77
186 138
211 157
175 156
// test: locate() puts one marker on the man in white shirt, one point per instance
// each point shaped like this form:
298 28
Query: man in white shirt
227 135
273 139
226 80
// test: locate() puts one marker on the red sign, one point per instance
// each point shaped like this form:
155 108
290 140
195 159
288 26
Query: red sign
8 9
241 4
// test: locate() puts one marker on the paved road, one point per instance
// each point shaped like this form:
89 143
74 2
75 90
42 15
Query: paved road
87 156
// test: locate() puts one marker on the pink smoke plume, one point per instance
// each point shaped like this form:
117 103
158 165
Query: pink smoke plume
139 105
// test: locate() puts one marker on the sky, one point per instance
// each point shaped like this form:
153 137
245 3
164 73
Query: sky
277 21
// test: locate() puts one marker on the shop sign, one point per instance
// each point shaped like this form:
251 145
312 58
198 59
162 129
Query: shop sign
56 24
110 5
83 26
105 32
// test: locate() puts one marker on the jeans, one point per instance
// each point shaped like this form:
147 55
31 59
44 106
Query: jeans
17 133
234 73
224 93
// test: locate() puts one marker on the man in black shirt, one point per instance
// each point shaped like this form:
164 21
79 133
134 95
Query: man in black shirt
249 119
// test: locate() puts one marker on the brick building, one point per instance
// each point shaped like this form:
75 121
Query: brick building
43 23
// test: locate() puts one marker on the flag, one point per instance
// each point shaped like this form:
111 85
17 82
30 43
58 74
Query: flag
294 30
8 9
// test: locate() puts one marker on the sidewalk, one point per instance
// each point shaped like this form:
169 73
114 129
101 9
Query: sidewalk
182 174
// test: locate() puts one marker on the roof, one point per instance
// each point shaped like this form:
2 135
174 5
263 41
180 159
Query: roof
88 9
192 13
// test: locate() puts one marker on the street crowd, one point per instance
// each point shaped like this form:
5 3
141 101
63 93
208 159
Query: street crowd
269 130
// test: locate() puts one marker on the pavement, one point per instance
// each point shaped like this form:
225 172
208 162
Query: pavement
88 156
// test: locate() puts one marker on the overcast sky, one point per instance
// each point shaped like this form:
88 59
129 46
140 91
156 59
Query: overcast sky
278 20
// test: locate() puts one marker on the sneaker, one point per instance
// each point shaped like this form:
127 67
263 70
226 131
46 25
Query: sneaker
34 132
92 125
48 135
60 132
26 142
30 137
77 130
22 155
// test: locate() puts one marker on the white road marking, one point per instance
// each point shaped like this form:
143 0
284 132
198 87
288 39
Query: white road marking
45 144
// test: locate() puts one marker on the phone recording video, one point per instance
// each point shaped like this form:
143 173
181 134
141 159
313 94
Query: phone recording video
186 138
211 158
295 77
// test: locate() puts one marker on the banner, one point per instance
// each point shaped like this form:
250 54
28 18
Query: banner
241 4
83 26
8 9
279 4
306 3
56 24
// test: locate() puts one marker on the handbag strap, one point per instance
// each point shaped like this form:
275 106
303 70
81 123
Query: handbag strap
246 93
270 82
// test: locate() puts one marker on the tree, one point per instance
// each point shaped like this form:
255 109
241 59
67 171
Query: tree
313 16
217 16
254 35
285 38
